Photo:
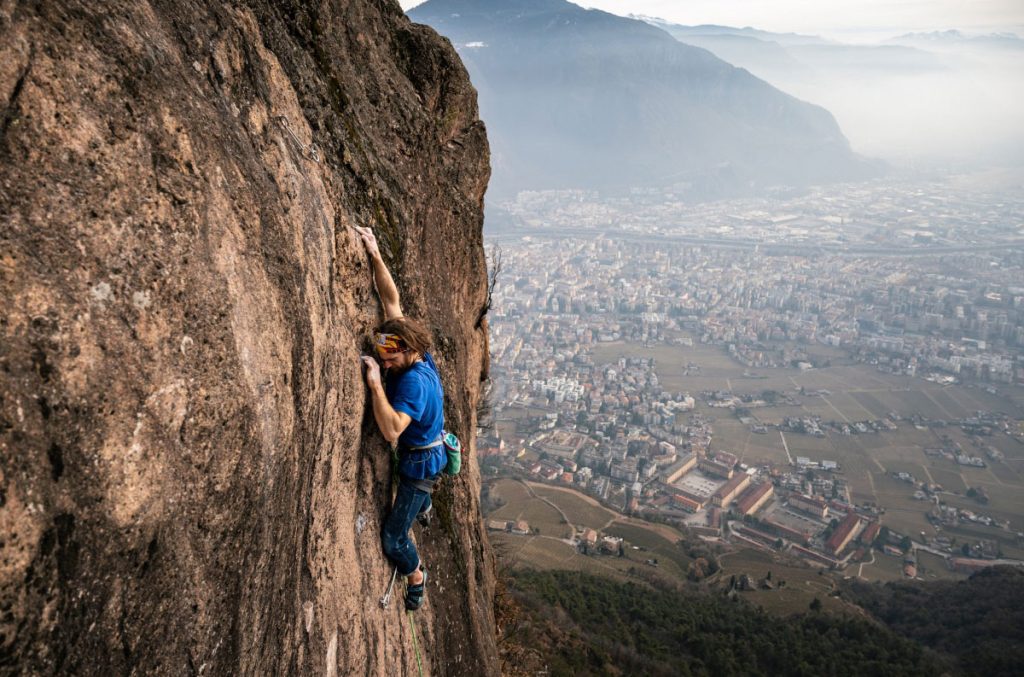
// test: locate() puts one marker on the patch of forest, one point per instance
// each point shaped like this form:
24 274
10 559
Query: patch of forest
979 622
576 624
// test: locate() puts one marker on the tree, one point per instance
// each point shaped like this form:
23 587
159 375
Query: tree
493 271
882 538
906 544
698 569
815 605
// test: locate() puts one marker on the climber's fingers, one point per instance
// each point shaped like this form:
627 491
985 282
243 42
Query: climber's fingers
372 369
369 239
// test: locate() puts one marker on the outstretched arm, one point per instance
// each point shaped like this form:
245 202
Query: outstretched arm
386 288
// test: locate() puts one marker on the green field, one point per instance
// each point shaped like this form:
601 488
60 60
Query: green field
580 510
933 567
652 542
802 582
549 550
871 403
538 552
520 505
657 546
885 568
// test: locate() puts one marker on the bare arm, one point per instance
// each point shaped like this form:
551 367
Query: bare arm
386 288
391 423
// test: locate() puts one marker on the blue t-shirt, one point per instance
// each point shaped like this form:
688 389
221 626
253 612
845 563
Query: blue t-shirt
417 392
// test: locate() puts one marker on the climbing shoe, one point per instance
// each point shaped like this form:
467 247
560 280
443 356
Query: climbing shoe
424 517
414 593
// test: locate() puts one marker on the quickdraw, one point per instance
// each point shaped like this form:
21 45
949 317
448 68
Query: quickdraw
311 151
386 598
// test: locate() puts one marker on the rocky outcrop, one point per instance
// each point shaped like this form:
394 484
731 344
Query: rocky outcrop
192 482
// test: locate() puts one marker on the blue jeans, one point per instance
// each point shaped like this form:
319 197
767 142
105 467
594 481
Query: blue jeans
399 548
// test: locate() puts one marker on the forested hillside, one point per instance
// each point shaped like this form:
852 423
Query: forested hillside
579 624
979 621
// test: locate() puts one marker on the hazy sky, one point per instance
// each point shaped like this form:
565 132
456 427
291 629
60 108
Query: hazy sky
967 108
852 20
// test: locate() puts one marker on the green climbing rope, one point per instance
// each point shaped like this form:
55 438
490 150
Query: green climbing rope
415 646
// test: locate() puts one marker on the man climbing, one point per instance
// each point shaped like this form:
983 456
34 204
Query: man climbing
409 410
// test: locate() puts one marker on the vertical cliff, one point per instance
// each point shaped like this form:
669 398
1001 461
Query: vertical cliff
190 478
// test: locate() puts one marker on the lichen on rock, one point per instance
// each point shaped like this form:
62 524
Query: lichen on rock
190 481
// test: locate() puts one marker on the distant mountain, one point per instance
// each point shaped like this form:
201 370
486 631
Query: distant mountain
758 55
578 98
678 31
1008 41
780 58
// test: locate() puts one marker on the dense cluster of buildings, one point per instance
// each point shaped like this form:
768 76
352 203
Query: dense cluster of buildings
624 275
950 317
846 267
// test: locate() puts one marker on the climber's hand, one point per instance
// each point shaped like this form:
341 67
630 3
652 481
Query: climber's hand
369 240
372 371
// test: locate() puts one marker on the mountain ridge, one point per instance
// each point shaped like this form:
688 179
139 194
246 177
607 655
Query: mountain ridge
580 98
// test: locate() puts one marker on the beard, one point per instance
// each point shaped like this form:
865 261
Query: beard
396 370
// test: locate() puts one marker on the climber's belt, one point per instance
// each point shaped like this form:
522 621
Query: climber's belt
412 465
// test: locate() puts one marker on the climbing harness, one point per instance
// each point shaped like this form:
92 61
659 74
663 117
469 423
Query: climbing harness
311 151
386 598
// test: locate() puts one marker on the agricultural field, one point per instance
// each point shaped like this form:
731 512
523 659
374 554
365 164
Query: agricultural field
667 552
885 568
933 568
873 393
802 582
855 392
735 437
843 392
539 552
653 541
644 542
520 505
948 476
580 510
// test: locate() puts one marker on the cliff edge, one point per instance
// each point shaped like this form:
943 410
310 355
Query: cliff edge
191 481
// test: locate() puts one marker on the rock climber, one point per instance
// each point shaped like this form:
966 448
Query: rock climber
408 405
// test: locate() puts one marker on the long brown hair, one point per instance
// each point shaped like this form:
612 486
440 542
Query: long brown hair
415 335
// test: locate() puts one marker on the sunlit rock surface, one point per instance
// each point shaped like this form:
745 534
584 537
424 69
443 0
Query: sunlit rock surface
190 478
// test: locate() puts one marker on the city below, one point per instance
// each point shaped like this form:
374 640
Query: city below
892 216
767 378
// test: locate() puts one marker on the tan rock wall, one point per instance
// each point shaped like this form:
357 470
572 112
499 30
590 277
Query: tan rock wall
191 481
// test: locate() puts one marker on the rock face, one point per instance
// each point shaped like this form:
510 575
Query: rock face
192 481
